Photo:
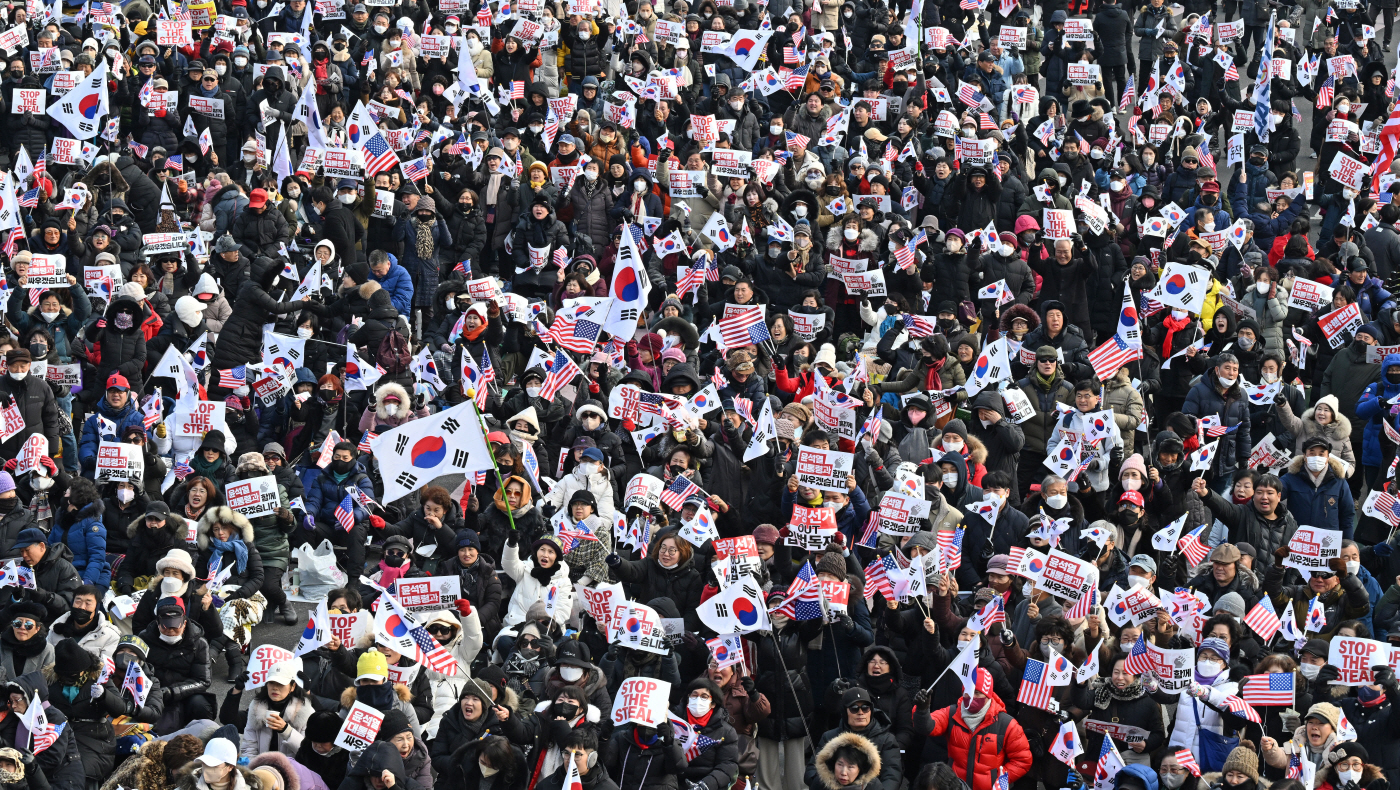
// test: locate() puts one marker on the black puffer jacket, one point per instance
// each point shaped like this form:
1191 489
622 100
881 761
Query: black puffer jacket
655 767
122 342
90 719
878 733
886 691
591 203
1106 289
62 763
468 229
585 58
482 587
241 341
183 667
142 195
146 546
262 233
782 678
717 767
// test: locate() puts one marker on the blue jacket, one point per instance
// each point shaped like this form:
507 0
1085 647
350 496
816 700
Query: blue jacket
1373 408
1204 400
399 284
92 437
1373 589
1326 505
64 329
1372 297
87 539
1266 227
323 494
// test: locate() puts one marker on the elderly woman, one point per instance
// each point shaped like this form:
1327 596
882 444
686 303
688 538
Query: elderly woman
668 571
24 646
278 714
1123 697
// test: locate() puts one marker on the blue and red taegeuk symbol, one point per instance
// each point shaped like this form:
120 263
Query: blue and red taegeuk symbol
428 452
1129 316
395 626
745 611
1176 284
88 105
721 652
310 632
626 287
1066 453
983 363
743 45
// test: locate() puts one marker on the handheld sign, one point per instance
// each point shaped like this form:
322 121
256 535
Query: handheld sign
641 701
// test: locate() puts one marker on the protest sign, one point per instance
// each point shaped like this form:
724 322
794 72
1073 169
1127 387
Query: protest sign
261 660
1065 576
900 514
1354 658
823 469
643 492
361 725
120 462
641 701
1311 548
1308 294
428 593
349 627
256 496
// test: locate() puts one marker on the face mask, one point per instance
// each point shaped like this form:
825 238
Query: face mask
1208 669
1348 777
18 376
774 252
171 640
50 317
79 616
1310 670
698 706
486 770
1227 383
1062 180
963 643
391 410
1134 581
380 29
1246 343
293 193
1343 109
893 246
1117 186
1169 781
775 130
951 479
584 35
1178 314
952 447
250 158
737 105
125 495
1261 288
1132 485
347 199
240 62
591 175
451 30
1096 154
800 211
640 186
975 705
848 15
537 129
850 234
1057 501
1353 566
303 332
533 392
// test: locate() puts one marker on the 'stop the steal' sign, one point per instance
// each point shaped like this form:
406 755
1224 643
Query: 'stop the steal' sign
642 701
1354 658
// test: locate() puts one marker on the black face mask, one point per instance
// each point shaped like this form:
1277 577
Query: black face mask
833 189
566 709
7 505
342 467
677 470
1125 517
79 616
379 697
394 561
1209 200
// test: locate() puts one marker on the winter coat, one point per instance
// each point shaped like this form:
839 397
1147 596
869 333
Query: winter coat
1114 26
35 401
998 742
529 589
1145 28
1246 524
425 270
242 339
878 735
647 580
1205 399
822 772
1337 432
1066 283
1373 407
121 341
717 767
86 535
660 765
257 736
183 667
249 580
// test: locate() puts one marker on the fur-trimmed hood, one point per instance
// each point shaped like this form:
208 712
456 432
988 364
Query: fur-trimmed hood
390 388
529 415
1024 312
226 515
282 764
1338 467
869 239
190 777
1340 426
146 771
175 524
367 289
826 760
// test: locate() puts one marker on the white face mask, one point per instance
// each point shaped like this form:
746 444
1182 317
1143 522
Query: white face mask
536 129
1208 669
1117 186
1057 501
1132 485
380 29
533 392
1062 180
1178 314
800 211
486 770
1310 670
293 193
1353 566
1277 118
1262 288
584 35
347 198
951 479
1224 382
1134 581
736 105
50 317
952 446
170 640
220 69
640 186
304 332
1169 781
775 130
963 643
240 62
850 234
698 706
125 495
591 175
391 409
1316 463
570 674
17 375
1347 777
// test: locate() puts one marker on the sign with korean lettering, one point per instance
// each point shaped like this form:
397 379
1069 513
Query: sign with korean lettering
1348 171
256 496
643 491
436 46
1012 37
1308 294
871 282
120 462
428 593
1173 668
837 419
260 663
1084 73
744 550
900 514
349 627
1354 658
1138 605
807 325
361 724
684 182
638 626
28 100
47 271
64 375
1079 30
1242 121
837 594
162 243
641 701
64 81
339 163
1065 576
1337 323
212 108
810 527
731 164
823 469
1311 547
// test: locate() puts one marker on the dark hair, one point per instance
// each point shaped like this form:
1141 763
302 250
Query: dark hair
377 257
996 480
1269 481
88 589
1241 474
1230 623
502 756
1361 629
937 776
438 496
82 492
581 738
1088 385
810 438
322 195
1390 213
351 596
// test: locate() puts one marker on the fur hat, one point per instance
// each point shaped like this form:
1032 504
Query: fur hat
178 559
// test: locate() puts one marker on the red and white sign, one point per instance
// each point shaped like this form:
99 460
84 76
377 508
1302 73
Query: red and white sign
362 723
1354 658
1347 171
348 627
825 470
427 593
120 462
1084 73
174 32
260 663
1311 548
256 496
602 602
1309 294
1338 322
1065 576
900 513
643 491
811 527
641 701
28 100
1058 223
47 271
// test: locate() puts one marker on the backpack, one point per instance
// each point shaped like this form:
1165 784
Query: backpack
394 354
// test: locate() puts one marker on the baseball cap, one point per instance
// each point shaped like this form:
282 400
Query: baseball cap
1133 497
219 751
258 198
171 612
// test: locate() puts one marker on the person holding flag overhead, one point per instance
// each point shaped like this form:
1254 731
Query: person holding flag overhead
981 736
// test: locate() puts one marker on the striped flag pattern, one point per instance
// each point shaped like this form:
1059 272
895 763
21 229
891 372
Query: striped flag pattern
345 513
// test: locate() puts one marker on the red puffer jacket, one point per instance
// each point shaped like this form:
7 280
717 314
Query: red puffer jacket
998 742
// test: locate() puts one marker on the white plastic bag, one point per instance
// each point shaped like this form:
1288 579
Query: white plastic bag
318 571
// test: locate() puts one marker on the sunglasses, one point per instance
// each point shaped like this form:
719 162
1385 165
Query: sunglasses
396 553
860 708
439 629
1323 574
24 625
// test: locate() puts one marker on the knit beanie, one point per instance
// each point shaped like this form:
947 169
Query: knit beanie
1243 759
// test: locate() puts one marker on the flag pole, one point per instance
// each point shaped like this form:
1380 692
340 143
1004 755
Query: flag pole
499 480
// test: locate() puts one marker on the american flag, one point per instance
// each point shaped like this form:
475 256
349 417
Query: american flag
365 440
1232 73
872 425
30 199
905 257
1034 690
1129 96
1138 662
950 549
517 89
182 469
1271 688
379 157
691 278
1298 116
574 329
176 163
718 378
919 326
1191 546
693 742
570 538
1003 779
488 371
869 537
460 145
416 169
562 370
1207 160
1263 619
431 654
790 55
1112 355
877 575
41 164
744 327
1295 767
1085 604
12 240
1186 760
745 408
803 599
969 95
1325 93
345 513
795 79
465 268
41 731
984 122
795 140
680 489
1239 707
233 379
1147 305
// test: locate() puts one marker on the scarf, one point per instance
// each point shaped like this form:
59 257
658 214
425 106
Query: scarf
424 239
206 468
1173 326
492 186
236 545
388 575
1107 693
933 380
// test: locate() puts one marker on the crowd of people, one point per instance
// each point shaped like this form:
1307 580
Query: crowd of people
887 396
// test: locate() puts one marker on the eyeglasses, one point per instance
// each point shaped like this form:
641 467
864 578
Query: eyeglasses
396 553
860 707
24 625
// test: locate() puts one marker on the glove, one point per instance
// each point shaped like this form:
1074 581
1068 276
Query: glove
921 698
160 431
666 732
49 465
1326 675
1385 677
747 683
1338 566
847 624
1007 637
1280 397
308 523
96 690
376 522
613 560
1382 549
464 607
1281 552
784 532
839 539
513 538
238 682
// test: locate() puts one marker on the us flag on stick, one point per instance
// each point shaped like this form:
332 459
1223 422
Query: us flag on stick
1272 688
345 513
235 378
1263 619
680 489
562 370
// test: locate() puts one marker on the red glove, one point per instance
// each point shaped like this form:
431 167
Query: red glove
11 464
464 607
376 522
918 167
629 425
784 532
593 387
49 465
839 539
